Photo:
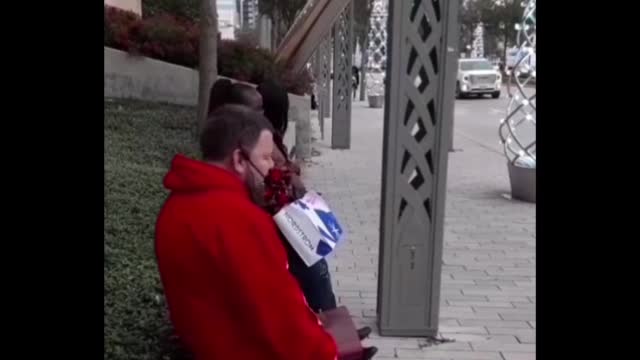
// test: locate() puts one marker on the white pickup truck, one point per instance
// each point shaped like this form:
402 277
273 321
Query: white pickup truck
477 76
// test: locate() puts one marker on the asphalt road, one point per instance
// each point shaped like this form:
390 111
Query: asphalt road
478 119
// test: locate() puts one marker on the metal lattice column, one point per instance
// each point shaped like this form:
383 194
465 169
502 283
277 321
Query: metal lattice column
342 59
324 83
317 86
418 113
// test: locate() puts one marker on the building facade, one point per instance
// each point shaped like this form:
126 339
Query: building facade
249 15
228 18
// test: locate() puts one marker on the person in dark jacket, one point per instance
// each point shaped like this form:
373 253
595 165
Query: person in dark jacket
355 73
315 281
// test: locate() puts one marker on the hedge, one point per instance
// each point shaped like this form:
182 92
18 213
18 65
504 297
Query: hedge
187 9
140 140
176 40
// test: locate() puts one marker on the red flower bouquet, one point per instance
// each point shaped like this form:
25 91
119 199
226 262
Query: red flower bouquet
278 190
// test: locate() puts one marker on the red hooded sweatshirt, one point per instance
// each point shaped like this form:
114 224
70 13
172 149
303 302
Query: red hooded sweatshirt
225 276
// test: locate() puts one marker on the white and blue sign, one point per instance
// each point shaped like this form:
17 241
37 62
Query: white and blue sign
310 226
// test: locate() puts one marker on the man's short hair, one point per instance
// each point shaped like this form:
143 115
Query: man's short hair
231 127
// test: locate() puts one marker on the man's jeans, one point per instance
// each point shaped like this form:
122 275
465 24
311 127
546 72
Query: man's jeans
315 281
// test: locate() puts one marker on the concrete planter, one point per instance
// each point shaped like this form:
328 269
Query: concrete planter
142 78
523 183
376 101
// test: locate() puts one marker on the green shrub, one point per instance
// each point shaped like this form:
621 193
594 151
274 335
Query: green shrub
118 25
176 40
187 9
140 141
168 38
163 37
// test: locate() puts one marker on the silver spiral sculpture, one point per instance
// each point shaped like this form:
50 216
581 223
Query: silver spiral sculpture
519 148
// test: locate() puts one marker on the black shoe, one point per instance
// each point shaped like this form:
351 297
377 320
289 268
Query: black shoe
368 352
364 332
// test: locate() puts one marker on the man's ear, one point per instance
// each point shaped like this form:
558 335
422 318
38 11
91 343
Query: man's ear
239 162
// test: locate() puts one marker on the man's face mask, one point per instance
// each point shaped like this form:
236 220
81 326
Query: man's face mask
254 180
257 164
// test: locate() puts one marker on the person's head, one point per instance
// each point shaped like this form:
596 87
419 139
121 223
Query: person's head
219 94
275 102
245 94
241 141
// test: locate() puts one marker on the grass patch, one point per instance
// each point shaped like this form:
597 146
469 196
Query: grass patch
140 140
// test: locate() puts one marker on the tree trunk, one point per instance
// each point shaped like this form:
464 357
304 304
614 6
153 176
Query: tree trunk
208 57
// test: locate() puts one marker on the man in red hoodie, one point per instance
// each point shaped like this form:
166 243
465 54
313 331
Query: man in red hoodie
222 265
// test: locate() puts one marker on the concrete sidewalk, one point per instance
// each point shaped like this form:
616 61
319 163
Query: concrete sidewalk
488 278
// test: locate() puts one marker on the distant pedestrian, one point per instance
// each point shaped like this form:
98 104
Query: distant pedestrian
355 83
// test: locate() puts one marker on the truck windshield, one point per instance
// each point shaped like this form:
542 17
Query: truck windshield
475 65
